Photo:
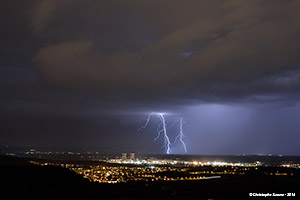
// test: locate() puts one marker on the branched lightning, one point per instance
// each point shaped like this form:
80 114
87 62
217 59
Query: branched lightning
181 135
162 130
147 122
158 131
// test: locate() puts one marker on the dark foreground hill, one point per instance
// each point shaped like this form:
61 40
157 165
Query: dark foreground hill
21 180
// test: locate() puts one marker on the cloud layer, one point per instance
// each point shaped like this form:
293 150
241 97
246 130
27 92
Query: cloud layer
87 73
187 48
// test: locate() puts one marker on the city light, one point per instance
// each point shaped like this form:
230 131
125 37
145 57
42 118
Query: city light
129 168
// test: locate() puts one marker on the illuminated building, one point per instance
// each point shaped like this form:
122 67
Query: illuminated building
124 156
131 156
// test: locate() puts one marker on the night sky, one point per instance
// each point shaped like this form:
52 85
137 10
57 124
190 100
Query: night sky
77 73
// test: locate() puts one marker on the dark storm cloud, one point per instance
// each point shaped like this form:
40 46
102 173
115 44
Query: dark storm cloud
88 72
17 42
185 48
17 75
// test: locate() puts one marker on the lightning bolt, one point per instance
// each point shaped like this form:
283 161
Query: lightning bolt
181 135
147 122
162 130
158 131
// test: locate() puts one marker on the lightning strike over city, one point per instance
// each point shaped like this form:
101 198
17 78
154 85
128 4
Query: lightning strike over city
154 97
162 129
181 135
